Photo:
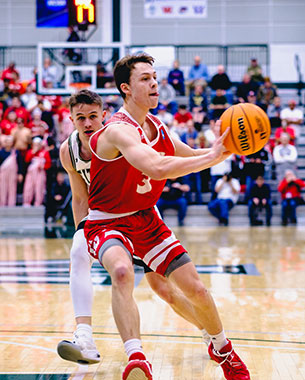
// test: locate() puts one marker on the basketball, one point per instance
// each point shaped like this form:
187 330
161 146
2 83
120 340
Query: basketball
249 128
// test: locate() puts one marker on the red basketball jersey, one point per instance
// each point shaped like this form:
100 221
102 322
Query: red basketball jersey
127 190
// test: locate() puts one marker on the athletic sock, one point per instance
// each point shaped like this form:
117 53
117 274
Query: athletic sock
219 340
84 328
133 347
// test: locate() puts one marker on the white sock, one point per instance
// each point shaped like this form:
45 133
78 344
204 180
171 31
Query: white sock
219 340
206 336
84 328
133 345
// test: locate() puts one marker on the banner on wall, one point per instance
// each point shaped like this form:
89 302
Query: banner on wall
175 9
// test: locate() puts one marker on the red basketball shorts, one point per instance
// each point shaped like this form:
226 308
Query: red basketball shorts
143 233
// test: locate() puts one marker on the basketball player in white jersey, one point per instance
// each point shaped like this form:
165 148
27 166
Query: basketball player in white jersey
87 116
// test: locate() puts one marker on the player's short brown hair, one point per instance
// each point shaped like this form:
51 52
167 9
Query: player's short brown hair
124 67
85 97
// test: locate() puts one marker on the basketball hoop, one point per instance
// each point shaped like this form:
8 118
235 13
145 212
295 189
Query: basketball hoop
77 86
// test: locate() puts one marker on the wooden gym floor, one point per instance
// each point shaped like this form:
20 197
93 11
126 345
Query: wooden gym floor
256 275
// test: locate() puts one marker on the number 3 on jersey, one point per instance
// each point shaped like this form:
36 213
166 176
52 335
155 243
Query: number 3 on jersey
142 189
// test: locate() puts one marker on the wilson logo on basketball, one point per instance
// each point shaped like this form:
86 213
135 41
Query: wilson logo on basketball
243 136
260 129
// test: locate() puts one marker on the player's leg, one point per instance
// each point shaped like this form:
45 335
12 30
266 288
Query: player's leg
118 262
220 349
82 349
176 300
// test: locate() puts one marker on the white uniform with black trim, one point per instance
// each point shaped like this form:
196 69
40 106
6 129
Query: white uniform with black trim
79 164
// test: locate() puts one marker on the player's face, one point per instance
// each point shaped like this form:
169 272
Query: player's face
143 85
87 119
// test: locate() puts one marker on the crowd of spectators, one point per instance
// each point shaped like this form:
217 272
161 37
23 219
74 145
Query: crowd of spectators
33 126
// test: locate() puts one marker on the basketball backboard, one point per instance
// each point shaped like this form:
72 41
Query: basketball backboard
76 65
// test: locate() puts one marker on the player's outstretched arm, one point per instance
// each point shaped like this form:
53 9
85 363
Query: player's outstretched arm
126 140
78 186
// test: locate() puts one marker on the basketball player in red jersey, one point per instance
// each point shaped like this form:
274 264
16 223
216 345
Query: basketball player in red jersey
133 155
87 115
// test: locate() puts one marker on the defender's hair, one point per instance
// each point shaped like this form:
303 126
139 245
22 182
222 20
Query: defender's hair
124 67
85 97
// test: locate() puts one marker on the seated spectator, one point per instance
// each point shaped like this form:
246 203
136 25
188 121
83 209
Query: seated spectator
254 166
266 93
227 189
274 112
176 79
293 117
173 196
8 123
165 116
182 119
244 87
260 198
5 94
19 109
58 195
167 96
251 98
255 71
219 104
221 79
198 104
290 189
285 156
218 171
284 128
198 74
11 172
39 161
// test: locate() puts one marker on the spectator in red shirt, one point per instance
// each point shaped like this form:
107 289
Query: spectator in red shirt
39 161
19 109
9 123
8 72
290 189
182 119
284 128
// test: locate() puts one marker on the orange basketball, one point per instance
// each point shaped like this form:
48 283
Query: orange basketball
249 128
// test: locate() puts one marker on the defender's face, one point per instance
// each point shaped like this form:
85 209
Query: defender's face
143 86
87 119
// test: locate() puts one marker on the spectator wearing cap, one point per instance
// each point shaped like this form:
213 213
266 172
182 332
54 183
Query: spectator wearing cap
39 161
165 116
255 71
7 73
293 117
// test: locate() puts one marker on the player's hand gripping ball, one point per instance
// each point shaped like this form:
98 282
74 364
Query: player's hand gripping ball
249 128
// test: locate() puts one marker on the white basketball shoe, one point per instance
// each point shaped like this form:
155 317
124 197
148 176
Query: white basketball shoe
81 350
